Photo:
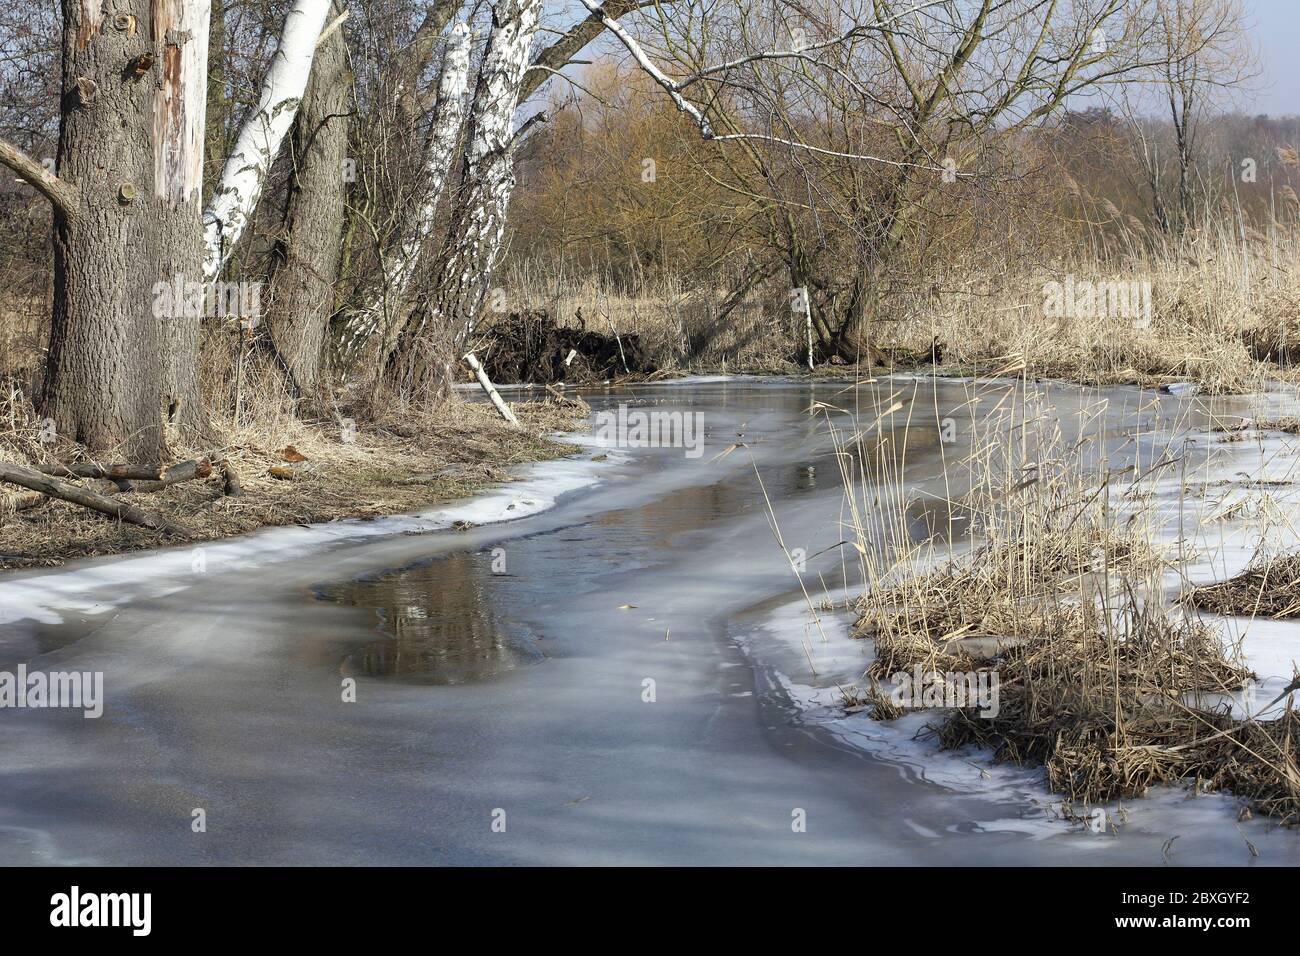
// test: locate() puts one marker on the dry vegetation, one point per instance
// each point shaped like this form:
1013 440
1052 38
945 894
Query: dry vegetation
1104 681
1223 314
1270 588
395 464
692 262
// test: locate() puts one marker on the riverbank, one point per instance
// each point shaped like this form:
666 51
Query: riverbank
293 472
1071 553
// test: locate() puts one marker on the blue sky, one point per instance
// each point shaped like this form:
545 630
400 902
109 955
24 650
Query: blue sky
1277 31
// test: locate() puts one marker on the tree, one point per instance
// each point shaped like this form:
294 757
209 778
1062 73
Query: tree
305 262
477 225
236 195
1206 57
126 194
388 304
129 173
849 120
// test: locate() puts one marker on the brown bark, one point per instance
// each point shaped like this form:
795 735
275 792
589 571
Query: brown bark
109 355
34 480
85 470
101 384
116 478
182 471
306 263
233 488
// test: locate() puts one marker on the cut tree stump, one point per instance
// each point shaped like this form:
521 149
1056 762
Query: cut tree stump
54 488
233 488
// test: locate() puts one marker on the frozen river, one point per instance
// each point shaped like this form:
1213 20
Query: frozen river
612 665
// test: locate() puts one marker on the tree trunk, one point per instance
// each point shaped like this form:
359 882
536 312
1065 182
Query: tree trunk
262 132
104 370
478 214
306 263
448 116
180 30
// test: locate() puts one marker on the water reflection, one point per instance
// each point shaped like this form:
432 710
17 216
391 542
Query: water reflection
435 622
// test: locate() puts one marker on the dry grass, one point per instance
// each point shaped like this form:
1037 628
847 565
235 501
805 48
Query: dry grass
1288 425
1225 315
400 464
1269 588
1101 682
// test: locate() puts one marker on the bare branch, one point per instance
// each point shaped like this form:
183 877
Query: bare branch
61 193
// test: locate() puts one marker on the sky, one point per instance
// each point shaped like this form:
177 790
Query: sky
1277 32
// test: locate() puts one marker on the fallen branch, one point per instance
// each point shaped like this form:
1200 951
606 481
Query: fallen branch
141 478
54 488
84 470
182 471
491 390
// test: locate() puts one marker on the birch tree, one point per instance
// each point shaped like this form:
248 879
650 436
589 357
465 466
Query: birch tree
446 122
262 132
477 225
403 268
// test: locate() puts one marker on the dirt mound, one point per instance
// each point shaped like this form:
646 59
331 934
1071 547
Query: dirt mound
531 347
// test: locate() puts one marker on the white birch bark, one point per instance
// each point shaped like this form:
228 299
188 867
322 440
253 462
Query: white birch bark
489 161
487 180
447 118
486 383
263 131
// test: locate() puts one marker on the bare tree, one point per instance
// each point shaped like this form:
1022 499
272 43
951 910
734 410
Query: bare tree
1207 57
305 263
850 118
478 211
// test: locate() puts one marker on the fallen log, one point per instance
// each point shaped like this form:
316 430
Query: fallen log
88 470
182 471
54 488
140 478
